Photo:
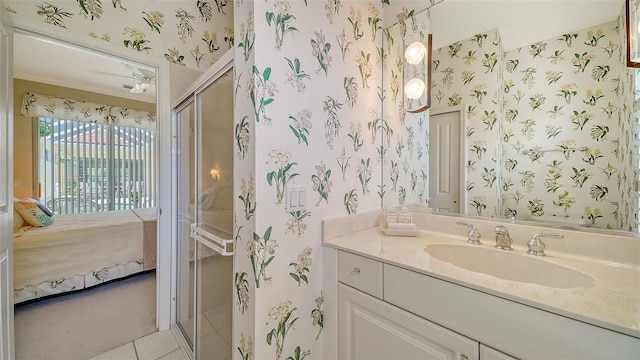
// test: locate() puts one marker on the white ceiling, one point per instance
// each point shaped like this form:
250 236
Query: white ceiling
56 64
520 22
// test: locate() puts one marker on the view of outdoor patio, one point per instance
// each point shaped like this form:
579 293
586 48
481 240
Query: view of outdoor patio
86 167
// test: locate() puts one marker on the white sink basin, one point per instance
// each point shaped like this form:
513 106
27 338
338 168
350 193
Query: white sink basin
510 266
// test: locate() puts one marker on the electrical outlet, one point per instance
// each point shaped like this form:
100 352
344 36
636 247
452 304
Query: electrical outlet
17 183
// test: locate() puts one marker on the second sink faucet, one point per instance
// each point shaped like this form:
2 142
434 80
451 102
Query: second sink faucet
503 239
536 246
473 236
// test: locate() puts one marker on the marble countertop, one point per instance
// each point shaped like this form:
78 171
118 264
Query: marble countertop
613 302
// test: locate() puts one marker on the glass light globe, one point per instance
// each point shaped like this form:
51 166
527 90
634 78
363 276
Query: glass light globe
414 88
415 53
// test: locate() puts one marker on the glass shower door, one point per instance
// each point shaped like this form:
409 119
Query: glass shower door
214 220
204 129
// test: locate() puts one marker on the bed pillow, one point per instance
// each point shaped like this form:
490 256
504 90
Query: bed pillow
32 214
42 206
18 221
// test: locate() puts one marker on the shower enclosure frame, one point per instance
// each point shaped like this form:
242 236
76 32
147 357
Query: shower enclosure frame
199 235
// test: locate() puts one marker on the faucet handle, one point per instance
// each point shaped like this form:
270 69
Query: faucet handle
502 230
503 239
536 246
473 235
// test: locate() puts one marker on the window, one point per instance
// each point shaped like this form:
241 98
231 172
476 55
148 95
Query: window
85 167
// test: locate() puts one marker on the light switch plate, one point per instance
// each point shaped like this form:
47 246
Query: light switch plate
302 198
296 198
421 187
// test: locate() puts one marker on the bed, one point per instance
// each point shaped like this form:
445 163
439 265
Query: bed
82 250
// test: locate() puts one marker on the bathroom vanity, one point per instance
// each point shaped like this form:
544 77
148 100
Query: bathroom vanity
437 296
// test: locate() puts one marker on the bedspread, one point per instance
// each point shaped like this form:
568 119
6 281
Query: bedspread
76 245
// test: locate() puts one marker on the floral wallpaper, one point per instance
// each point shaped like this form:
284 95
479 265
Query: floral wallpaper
404 148
468 73
566 138
558 108
465 73
308 113
193 33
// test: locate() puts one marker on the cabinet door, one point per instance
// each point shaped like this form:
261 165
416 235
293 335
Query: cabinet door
487 353
372 329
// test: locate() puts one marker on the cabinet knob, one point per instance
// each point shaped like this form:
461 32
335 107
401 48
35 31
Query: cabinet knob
463 357
355 271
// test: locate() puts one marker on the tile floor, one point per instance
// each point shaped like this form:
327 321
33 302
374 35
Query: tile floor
160 345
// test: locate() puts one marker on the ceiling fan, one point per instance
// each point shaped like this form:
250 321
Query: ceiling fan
145 78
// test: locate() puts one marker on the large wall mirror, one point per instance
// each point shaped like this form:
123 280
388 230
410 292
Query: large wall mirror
545 108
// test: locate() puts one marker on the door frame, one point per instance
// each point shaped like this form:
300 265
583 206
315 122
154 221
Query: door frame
163 153
7 336
461 110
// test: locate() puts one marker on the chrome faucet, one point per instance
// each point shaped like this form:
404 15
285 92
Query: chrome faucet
536 246
473 236
503 239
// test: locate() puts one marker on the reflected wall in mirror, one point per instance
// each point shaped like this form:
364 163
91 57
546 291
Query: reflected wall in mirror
214 133
404 149
548 110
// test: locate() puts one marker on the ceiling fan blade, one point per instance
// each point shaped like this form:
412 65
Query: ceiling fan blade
149 74
111 74
130 67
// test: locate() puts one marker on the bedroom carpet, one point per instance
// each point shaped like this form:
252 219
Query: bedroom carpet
85 324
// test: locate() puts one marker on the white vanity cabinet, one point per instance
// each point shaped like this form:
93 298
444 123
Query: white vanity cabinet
370 328
418 316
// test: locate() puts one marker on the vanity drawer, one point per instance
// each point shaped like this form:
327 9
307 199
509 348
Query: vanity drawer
361 273
521 330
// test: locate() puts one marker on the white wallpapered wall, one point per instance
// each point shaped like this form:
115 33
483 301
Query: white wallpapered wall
406 143
308 127
579 106
468 73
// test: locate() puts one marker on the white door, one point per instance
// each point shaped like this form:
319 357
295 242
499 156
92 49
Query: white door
444 162
6 188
